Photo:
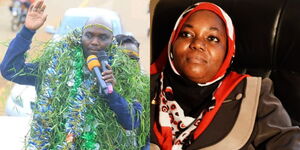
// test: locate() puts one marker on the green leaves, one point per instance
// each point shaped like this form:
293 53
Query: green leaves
65 78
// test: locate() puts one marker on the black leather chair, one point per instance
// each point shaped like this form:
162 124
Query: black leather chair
267 41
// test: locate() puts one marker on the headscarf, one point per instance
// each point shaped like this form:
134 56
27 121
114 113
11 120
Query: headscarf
173 129
160 63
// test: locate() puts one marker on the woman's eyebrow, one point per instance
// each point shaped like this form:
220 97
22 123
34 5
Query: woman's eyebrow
214 28
187 26
191 26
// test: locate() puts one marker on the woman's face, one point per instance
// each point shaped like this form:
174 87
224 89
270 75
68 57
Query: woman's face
200 48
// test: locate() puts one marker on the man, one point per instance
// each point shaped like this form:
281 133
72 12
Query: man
96 36
129 45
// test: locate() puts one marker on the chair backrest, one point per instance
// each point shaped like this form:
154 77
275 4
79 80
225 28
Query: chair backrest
267 42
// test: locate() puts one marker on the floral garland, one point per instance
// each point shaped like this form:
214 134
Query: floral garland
67 115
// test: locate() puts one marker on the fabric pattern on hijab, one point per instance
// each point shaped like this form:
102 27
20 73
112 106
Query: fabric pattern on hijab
191 97
181 124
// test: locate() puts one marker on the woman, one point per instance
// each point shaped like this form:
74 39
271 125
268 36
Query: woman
198 103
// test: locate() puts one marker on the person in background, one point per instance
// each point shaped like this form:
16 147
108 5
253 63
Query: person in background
24 4
129 45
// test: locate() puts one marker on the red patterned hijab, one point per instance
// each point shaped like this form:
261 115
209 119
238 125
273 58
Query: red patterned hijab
160 63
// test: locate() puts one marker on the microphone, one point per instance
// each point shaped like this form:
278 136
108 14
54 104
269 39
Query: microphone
93 64
103 59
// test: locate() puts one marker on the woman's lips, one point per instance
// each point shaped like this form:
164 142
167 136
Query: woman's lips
196 60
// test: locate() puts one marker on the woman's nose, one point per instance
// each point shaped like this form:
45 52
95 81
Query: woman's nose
198 44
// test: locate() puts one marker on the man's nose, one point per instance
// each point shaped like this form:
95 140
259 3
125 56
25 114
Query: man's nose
95 42
198 44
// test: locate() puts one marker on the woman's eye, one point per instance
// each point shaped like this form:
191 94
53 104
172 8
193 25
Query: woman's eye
213 38
185 34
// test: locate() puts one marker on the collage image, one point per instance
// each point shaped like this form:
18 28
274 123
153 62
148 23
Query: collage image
149 75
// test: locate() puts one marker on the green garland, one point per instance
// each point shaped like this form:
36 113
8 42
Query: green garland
100 130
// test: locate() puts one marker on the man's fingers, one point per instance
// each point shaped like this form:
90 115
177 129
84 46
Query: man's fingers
43 8
109 81
108 67
45 17
109 76
107 72
38 5
31 7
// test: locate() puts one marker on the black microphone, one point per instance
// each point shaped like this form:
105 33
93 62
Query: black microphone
93 64
103 59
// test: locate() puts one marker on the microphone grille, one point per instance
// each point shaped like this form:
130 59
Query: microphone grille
92 61
102 55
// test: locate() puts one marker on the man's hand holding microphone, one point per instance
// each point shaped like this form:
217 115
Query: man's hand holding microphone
103 72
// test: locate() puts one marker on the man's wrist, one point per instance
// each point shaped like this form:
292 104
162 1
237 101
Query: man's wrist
111 95
27 33
115 99
32 30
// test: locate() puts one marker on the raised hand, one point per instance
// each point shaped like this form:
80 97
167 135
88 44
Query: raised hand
35 17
